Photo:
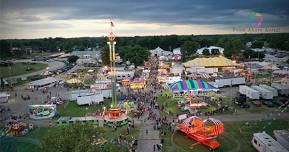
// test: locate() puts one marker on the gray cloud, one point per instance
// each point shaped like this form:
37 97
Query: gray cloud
164 11
202 12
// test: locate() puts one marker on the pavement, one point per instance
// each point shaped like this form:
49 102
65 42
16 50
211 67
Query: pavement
149 136
146 141
252 116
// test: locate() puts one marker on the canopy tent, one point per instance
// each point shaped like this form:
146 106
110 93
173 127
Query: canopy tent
192 85
210 62
44 82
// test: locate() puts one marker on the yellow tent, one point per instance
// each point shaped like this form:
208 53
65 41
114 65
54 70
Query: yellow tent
210 62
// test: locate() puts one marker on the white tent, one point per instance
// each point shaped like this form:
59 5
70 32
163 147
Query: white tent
177 51
44 82
89 99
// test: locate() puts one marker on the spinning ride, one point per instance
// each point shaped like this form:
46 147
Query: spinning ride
202 131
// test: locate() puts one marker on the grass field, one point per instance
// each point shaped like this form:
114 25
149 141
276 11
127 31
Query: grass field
170 104
107 133
20 68
237 136
74 110
34 140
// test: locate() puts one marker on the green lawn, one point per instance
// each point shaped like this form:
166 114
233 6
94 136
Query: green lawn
170 104
45 133
72 109
20 68
237 136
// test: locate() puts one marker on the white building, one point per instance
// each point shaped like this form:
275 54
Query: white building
177 54
159 52
121 75
200 51
101 84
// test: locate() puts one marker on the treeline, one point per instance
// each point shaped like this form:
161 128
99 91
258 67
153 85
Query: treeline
231 43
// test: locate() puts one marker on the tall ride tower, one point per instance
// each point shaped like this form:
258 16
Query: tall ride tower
114 111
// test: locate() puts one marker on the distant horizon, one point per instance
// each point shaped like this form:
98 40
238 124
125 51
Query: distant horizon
144 36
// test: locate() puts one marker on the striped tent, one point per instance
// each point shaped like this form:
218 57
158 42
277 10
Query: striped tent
192 85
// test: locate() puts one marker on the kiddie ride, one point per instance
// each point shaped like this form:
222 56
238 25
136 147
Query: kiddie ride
202 131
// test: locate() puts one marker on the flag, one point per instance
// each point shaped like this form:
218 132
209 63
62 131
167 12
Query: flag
111 24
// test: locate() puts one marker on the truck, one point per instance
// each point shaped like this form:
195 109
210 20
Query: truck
265 94
273 90
282 89
263 142
249 92
229 82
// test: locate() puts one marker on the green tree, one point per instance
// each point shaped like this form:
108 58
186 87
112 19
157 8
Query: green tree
135 54
233 47
5 50
257 44
215 52
206 52
104 51
252 54
72 59
189 48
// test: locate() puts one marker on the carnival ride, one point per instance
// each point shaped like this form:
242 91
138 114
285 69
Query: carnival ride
16 128
41 111
203 131
114 114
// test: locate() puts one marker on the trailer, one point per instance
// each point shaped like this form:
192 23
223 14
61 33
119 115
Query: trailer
265 94
273 90
219 83
282 89
90 99
282 136
249 92
262 142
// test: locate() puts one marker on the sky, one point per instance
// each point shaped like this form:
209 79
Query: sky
25 19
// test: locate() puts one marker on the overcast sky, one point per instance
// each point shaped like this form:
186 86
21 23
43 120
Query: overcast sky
79 18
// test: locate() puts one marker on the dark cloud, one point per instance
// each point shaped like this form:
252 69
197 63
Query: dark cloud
207 12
